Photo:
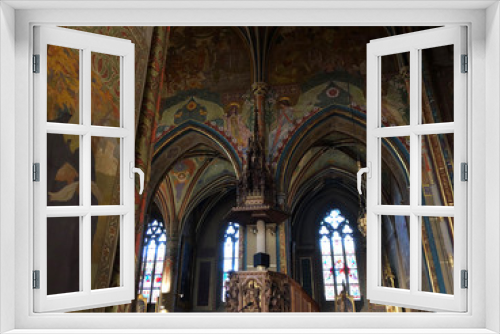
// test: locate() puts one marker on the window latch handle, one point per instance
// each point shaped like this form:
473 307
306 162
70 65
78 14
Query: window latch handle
361 171
134 170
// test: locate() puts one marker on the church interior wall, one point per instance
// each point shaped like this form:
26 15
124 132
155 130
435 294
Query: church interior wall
194 116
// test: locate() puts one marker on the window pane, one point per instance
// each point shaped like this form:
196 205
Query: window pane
353 276
354 291
339 262
328 277
329 292
327 263
395 99
340 276
155 296
351 261
325 246
105 89
337 244
228 248
230 253
437 254
437 84
63 255
396 251
63 85
395 171
349 245
105 171
105 232
228 264
437 169
63 170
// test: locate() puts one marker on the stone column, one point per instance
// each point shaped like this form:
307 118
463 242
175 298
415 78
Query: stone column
261 258
169 298
261 236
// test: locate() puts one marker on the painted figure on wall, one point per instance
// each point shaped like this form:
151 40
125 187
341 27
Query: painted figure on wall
234 126
284 125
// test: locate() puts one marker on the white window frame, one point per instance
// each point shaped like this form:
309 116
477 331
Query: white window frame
484 102
413 43
86 44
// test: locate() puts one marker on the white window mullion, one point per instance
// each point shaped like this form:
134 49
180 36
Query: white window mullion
86 179
415 172
373 187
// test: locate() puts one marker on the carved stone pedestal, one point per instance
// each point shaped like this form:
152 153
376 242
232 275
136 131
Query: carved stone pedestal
266 291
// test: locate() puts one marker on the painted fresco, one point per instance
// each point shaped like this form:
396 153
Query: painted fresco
206 57
330 158
308 73
208 81
181 176
217 169
141 37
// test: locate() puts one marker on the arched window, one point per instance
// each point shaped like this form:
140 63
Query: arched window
153 255
337 250
230 257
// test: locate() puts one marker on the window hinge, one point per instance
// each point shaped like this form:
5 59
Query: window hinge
36 279
464 171
465 279
465 64
36 63
36 172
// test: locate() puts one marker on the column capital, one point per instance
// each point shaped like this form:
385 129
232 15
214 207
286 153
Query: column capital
260 88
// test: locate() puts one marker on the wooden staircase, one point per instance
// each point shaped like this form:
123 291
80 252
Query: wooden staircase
266 291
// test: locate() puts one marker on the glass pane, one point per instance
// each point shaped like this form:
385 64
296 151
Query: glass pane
155 296
63 85
63 169
351 261
327 263
160 254
325 246
339 262
353 276
437 169
355 293
349 245
105 171
105 89
105 256
63 255
228 248
228 265
396 252
395 171
437 84
329 292
337 244
327 277
437 254
395 75
340 276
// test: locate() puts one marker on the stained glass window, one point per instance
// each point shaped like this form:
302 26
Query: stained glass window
153 256
230 251
338 256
